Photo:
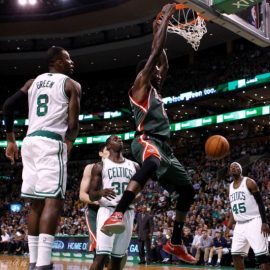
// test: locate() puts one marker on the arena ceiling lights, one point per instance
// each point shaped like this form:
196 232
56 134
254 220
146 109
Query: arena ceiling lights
27 2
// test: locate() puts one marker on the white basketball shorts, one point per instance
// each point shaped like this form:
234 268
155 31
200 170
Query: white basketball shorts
117 244
44 167
248 235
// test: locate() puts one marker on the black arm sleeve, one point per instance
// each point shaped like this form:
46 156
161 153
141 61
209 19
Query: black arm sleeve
11 104
258 198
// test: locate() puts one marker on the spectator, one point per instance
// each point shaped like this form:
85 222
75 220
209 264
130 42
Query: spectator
187 238
219 247
158 255
144 228
196 241
5 239
204 247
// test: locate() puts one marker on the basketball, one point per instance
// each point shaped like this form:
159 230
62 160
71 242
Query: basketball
217 147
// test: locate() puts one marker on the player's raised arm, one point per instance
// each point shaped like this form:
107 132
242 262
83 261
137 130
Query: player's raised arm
253 188
163 63
11 104
142 82
85 184
96 191
163 67
73 91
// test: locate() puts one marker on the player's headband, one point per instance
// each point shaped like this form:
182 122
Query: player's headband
239 165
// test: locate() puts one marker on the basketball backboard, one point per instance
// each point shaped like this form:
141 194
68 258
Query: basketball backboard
247 18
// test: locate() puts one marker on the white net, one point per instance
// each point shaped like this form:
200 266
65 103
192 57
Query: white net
188 24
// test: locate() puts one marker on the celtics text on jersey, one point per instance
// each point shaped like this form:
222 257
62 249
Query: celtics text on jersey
116 176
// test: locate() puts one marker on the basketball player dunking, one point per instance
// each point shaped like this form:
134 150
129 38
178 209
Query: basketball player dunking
54 105
248 211
113 175
150 147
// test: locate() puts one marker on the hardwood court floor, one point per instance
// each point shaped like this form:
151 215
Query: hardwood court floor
21 263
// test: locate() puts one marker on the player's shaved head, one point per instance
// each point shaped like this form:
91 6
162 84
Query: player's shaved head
53 54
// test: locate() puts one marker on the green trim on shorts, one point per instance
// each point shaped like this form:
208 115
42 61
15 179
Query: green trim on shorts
61 165
261 253
100 252
117 255
47 134
239 253
61 176
48 195
32 196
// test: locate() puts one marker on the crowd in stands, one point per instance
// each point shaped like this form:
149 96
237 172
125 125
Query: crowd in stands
207 216
207 69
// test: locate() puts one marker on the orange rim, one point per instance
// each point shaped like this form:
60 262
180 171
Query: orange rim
180 7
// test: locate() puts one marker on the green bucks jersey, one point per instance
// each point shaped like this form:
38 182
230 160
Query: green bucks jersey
150 115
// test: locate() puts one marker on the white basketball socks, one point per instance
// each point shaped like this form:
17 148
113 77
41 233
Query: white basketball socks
45 243
33 248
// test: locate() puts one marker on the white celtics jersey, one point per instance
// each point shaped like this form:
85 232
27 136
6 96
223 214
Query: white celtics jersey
243 204
117 176
48 104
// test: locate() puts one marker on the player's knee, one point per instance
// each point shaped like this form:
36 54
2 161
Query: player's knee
186 198
149 167
262 259
237 258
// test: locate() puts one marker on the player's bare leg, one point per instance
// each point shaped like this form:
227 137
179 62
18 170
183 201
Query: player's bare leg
115 264
123 262
47 228
99 262
264 266
238 262
33 230
263 261
50 215
34 216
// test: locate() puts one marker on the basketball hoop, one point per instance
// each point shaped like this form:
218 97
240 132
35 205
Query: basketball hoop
187 23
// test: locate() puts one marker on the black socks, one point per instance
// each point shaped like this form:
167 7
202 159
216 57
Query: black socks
177 233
